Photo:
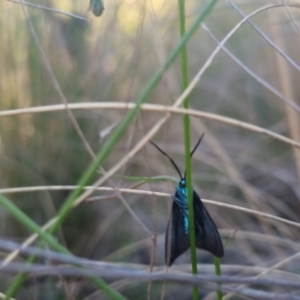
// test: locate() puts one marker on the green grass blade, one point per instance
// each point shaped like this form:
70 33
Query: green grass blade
31 225
46 238
187 139
187 143
218 273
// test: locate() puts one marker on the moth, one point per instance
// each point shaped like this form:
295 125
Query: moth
177 239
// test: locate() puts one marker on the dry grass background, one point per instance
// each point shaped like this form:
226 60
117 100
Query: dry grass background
48 59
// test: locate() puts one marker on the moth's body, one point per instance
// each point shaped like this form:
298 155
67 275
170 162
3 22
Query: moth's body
177 236
180 197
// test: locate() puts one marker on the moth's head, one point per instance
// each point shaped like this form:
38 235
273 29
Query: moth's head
182 183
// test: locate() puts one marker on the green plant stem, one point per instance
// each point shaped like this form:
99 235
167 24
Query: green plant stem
187 143
117 134
46 238
218 273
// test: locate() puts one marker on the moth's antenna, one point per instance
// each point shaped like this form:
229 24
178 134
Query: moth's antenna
171 160
198 143
195 148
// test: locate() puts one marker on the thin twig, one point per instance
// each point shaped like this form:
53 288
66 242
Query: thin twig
49 9
153 107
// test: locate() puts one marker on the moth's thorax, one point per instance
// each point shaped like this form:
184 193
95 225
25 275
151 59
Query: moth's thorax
182 183
181 189
180 198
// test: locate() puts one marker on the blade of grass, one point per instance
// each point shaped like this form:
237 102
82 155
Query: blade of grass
46 238
31 225
217 264
186 122
187 142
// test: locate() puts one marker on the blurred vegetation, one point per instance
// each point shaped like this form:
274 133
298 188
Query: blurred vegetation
110 59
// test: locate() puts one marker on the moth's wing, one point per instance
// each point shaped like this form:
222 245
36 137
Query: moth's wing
207 234
177 240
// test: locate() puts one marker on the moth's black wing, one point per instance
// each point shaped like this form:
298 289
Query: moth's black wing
177 241
207 234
